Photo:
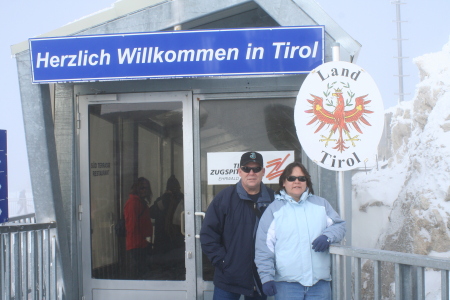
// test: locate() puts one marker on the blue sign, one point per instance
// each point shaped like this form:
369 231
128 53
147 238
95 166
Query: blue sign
228 52
3 178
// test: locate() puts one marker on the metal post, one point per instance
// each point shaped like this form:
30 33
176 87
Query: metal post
334 272
346 263
341 198
377 280
16 265
444 285
420 287
2 267
357 271
6 291
33 264
399 51
341 194
53 287
336 52
398 282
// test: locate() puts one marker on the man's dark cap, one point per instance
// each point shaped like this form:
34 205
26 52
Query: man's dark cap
173 184
251 157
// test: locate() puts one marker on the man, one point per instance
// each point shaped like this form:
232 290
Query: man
228 231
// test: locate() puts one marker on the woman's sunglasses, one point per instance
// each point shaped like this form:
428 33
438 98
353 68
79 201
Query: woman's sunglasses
248 169
292 178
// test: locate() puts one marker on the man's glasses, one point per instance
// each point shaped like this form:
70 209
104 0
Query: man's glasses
300 178
248 169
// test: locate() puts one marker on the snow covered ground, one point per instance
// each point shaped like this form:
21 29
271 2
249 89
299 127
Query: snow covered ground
404 205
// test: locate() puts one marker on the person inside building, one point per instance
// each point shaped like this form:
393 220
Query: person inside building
228 231
139 228
166 211
293 239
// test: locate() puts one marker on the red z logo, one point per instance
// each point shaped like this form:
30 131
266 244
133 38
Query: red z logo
276 164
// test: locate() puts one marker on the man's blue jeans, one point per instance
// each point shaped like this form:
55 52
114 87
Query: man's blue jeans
294 290
220 294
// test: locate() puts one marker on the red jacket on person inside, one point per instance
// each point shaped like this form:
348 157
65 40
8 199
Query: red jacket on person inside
137 223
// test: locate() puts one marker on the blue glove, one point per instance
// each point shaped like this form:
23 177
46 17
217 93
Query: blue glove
321 243
269 288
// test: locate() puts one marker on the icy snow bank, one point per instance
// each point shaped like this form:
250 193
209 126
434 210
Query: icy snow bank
405 205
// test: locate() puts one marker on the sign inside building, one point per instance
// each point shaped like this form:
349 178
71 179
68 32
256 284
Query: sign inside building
167 54
3 178
223 166
339 116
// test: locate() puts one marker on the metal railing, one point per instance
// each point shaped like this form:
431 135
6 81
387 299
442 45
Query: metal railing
408 272
28 218
28 268
28 261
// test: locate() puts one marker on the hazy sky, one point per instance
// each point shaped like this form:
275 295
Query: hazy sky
23 19
370 22
425 28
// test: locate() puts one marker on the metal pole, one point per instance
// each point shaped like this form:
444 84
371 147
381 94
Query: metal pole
346 262
399 51
336 52
341 198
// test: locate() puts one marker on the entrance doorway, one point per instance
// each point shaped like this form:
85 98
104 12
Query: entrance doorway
137 192
164 138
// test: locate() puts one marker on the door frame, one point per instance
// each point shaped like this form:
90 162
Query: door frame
205 288
138 289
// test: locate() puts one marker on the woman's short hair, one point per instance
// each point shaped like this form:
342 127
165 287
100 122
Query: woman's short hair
288 171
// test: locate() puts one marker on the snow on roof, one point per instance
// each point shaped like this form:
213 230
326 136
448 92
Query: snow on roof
307 9
116 10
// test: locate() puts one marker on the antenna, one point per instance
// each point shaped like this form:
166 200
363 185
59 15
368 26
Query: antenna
399 56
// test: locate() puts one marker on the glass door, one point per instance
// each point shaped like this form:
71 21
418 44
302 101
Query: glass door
136 183
238 123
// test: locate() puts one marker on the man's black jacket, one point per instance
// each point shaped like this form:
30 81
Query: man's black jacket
228 238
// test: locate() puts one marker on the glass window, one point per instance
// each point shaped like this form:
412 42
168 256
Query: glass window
136 191
243 125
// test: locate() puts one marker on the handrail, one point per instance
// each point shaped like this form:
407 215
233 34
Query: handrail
28 258
392 256
408 280
28 261
22 227
20 218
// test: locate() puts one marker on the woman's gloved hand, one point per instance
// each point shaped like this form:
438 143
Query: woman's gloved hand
321 243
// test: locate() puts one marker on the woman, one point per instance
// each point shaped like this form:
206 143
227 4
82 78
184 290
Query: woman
138 226
293 238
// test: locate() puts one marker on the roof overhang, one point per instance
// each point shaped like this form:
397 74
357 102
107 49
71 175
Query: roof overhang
191 14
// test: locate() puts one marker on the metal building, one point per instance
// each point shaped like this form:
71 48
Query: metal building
88 141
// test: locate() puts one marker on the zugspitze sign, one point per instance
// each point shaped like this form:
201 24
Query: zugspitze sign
339 116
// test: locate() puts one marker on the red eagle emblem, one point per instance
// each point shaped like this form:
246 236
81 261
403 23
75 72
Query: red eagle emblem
339 119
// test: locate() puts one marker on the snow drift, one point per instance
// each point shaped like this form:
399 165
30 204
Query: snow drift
404 204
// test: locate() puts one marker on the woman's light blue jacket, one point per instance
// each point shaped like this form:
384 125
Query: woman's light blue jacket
285 234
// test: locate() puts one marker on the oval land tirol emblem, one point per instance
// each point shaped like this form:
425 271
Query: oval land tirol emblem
339 116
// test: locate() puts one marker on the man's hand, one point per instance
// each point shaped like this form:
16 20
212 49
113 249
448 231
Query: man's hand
321 243
269 288
219 265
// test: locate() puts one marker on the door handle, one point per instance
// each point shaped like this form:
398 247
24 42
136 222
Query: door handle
202 214
182 222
